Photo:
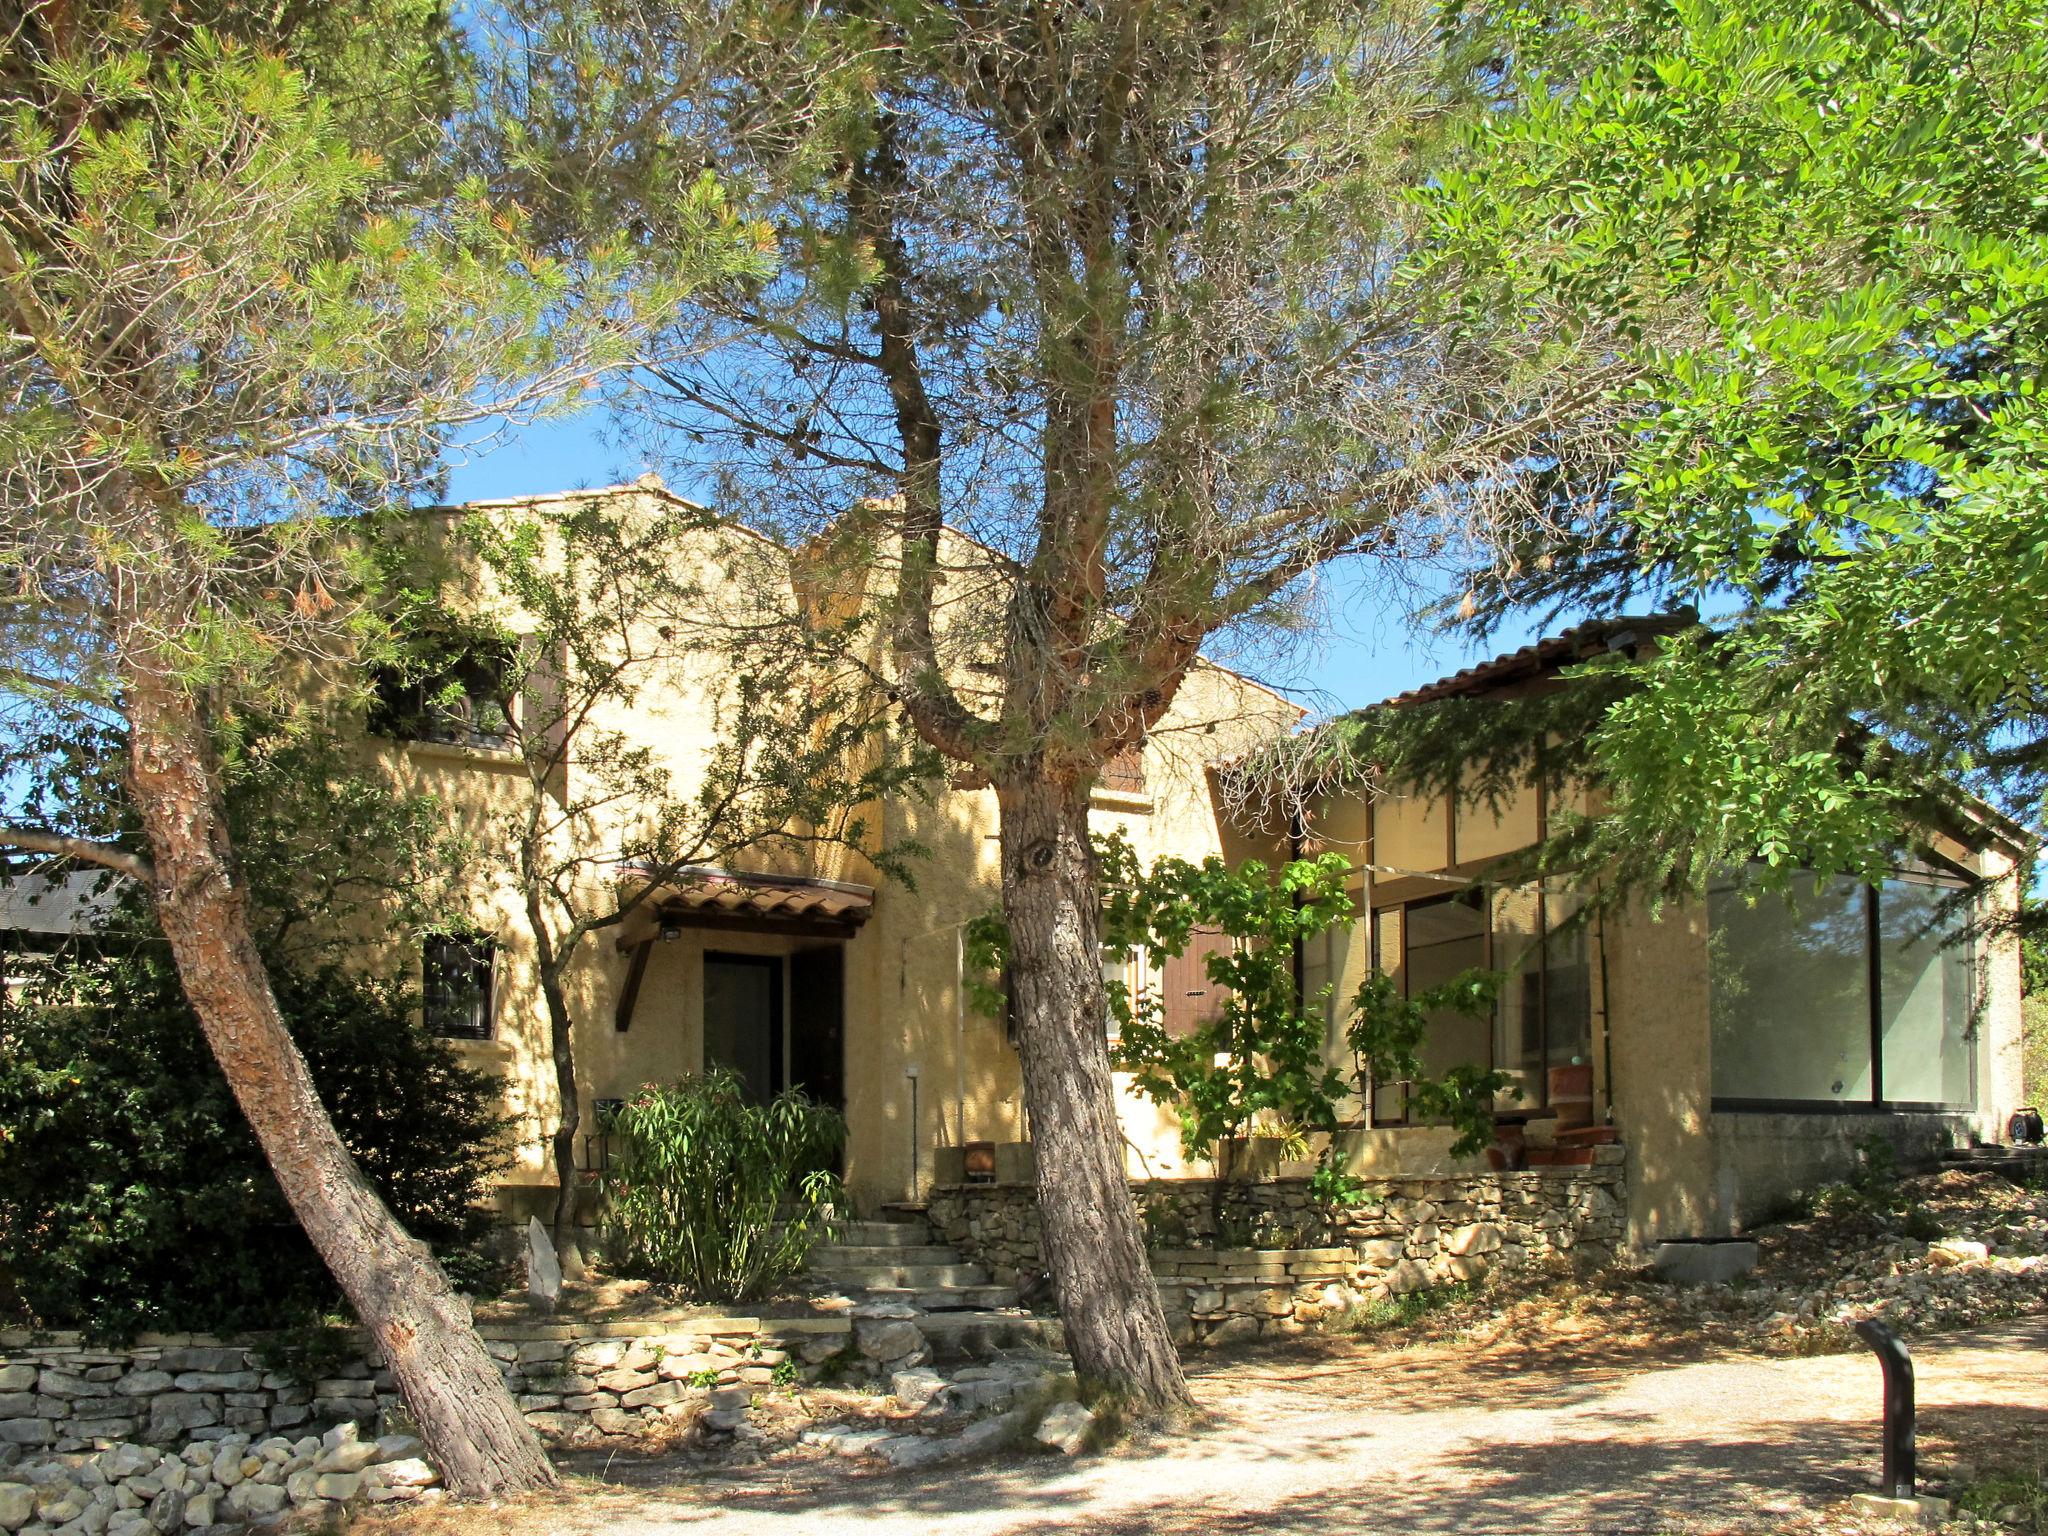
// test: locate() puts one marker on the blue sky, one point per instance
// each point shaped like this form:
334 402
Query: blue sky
1365 656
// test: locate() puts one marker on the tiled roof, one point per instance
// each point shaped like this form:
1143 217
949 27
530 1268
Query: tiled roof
703 890
1592 638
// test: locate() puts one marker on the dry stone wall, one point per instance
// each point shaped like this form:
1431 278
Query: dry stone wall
1284 1261
576 1382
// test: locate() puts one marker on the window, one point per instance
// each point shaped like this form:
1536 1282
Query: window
1124 774
1541 1030
1322 966
455 985
1849 995
465 703
1543 1026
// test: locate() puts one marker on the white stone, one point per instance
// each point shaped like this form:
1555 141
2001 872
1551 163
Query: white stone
349 1456
543 1266
413 1472
916 1387
338 1486
1712 1261
199 1511
17 1505
1956 1250
257 1499
1065 1428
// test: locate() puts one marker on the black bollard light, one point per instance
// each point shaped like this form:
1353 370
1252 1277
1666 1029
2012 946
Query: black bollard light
1899 1456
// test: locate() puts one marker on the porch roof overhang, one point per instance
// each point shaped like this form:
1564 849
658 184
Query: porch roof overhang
707 897
704 896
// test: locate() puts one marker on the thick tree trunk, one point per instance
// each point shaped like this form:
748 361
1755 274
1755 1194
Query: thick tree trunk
453 1388
1109 1306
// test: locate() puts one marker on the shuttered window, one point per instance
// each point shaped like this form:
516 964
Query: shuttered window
1188 999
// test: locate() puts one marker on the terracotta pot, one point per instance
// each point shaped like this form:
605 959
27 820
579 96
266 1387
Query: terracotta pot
1571 1095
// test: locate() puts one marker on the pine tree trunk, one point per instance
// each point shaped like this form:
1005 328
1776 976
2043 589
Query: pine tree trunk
1109 1306
454 1390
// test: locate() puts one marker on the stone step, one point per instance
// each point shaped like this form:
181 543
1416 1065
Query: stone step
948 1298
881 1234
884 1255
988 1335
920 1277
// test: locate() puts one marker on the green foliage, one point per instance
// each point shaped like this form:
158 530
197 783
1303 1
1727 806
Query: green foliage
718 1195
309 1352
2015 1497
132 1195
1810 241
1262 1066
1387 1031
1260 1062
1384 1313
1873 1190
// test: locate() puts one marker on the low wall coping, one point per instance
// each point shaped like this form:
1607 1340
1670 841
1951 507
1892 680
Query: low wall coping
71 1342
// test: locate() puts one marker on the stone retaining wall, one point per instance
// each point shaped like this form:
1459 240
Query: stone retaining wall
1288 1261
575 1381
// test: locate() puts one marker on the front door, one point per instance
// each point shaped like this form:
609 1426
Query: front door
817 1023
743 1020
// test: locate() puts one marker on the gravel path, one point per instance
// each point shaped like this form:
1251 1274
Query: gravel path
1442 1440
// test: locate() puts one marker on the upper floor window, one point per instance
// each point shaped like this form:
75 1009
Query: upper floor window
456 976
1124 774
466 702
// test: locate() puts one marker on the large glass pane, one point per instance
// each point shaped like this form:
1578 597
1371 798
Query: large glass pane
1925 993
1518 1021
1568 1012
1790 986
1445 939
1389 1100
740 1013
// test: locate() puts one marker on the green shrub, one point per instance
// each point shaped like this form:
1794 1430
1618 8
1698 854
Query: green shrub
132 1193
716 1194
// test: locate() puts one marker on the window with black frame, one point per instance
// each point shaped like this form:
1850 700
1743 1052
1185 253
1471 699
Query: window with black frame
464 702
1845 994
456 974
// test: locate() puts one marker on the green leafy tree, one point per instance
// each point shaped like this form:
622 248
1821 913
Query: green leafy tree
1814 236
245 307
132 1194
1266 1058
1107 291
1262 1059
717 1194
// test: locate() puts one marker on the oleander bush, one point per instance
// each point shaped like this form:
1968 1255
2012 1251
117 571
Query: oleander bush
132 1192
716 1195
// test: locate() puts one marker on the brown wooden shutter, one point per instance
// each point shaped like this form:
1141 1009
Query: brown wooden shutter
1189 999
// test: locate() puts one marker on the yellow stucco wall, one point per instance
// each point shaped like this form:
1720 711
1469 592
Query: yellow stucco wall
904 1008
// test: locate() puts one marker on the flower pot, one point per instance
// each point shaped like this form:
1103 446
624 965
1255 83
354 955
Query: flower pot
1571 1095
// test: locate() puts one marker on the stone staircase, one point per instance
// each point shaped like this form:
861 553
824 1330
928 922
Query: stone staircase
895 1268
899 1261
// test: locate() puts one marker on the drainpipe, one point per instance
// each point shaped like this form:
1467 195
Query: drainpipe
960 1035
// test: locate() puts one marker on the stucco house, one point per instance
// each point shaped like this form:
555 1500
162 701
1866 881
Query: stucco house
1736 1052
806 969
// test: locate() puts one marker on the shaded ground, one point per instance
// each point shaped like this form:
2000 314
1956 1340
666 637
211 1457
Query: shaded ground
1342 1436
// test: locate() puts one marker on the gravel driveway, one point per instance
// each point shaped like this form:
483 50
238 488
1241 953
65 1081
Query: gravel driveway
1353 1439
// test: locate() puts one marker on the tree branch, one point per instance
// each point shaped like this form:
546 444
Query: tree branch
84 849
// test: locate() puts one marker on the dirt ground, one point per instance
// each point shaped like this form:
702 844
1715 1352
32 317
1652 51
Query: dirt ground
1476 1438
